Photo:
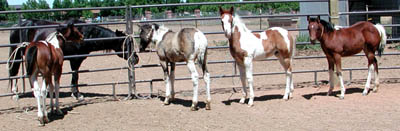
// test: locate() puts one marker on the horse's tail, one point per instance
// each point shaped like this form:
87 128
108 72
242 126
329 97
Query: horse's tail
30 59
382 33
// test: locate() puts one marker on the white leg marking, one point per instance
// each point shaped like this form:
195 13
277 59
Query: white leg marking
288 84
242 72
195 79
44 95
342 89
367 84
248 62
37 93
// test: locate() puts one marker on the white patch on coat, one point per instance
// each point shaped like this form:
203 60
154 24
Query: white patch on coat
338 27
200 42
263 36
52 39
44 42
285 35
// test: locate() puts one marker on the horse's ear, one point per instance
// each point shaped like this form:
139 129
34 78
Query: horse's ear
308 18
231 10
70 25
318 19
221 11
155 26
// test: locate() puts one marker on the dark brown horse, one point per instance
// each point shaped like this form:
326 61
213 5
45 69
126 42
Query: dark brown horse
45 56
337 43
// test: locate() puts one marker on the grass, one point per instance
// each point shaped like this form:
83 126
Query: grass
306 38
220 43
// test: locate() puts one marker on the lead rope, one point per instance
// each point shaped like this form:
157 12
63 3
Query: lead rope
134 45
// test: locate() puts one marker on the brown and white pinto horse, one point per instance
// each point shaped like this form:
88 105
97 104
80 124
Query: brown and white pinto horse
246 46
186 45
340 42
46 57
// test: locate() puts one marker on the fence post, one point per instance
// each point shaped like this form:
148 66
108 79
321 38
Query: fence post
22 58
334 11
131 71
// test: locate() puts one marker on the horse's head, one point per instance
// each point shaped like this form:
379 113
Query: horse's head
226 20
71 33
315 29
146 35
125 44
157 32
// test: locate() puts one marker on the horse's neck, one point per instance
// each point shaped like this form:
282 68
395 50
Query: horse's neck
162 39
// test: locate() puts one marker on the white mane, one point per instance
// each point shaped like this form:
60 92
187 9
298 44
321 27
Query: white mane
238 22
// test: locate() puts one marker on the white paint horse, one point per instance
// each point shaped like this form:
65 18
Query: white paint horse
187 45
246 46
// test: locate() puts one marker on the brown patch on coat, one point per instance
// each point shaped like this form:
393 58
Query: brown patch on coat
234 47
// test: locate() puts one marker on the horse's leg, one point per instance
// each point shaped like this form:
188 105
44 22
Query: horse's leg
195 79
57 76
371 60
242 72
13 71
164 66
46 83
75 64
285 62
331 66
376 76
172 80
338 62
248 62
206 78
37 92
51 93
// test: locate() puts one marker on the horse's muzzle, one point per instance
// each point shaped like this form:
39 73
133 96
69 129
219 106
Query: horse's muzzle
313 42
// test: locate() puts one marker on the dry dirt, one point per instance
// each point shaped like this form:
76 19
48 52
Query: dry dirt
310 109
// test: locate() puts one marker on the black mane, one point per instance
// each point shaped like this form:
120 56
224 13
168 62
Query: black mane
329 27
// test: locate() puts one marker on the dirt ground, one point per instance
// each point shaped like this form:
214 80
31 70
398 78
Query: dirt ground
310 109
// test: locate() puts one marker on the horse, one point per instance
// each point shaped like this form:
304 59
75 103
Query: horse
74 49
246 46
342 42
46 57
186 45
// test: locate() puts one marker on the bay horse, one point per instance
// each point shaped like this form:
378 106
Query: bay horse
186 45
86 47
246 46
341 42
46 57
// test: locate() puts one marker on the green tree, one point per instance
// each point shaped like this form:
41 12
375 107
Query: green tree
3 7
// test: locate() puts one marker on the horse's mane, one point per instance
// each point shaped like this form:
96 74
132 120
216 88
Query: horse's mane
238 22
329 27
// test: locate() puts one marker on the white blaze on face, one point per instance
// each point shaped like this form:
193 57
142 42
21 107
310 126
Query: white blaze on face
285 35
227 25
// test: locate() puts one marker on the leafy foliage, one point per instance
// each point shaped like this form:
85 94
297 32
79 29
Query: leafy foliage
42 4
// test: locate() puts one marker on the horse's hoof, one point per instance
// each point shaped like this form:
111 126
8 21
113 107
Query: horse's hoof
15 97
208 105
285 98
77 96
59 113
242 100
166 101
375 90
364 94
250 105
341 97
41 121
194 106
